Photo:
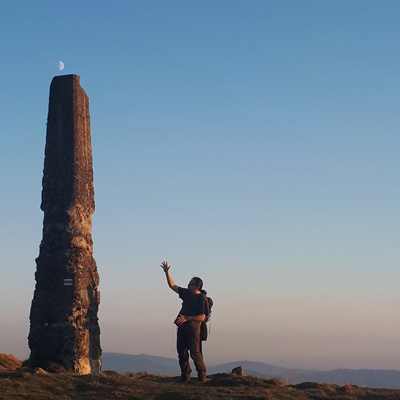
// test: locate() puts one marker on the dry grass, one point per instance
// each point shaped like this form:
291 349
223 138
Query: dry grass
144 386
9 362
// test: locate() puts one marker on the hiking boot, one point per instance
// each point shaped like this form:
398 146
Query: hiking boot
184 379
202 378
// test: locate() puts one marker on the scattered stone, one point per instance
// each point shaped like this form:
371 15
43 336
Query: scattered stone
40 371
239 371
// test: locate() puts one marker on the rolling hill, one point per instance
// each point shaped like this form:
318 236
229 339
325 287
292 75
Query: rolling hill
169 366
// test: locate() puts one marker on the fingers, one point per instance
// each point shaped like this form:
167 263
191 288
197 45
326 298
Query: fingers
165 265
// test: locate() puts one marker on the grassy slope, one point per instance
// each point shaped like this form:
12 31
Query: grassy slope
24 385
9 362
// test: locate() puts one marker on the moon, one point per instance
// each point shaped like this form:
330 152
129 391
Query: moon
60 65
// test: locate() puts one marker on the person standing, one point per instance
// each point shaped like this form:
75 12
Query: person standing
192 314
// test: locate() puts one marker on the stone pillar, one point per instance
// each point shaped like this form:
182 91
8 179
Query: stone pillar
64 326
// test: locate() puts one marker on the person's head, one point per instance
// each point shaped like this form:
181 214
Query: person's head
196 284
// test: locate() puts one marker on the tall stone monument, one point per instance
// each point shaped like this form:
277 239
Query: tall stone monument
64 326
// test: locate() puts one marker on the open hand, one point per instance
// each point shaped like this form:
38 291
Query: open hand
164 265
180 319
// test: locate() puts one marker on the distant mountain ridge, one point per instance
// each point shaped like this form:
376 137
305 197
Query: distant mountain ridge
169 366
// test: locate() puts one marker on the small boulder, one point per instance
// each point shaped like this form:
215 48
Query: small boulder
239 371
40 371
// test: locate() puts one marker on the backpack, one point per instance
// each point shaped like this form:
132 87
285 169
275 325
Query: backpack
203 328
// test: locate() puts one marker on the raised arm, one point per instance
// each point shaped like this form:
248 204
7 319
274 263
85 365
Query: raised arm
164 265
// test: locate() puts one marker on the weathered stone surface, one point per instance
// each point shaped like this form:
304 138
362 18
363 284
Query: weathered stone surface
40 371
238 371
64 326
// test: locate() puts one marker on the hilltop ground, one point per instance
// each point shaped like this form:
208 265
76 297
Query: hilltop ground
23 384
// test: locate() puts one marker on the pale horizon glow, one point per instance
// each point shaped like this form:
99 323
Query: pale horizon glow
252 144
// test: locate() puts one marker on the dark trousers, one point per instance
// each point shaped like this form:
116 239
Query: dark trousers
189 341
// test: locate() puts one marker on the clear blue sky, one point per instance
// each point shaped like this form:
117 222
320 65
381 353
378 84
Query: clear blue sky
252 143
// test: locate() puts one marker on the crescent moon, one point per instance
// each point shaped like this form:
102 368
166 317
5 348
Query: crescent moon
60 65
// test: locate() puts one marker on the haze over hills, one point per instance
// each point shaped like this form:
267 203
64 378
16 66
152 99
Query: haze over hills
169 366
